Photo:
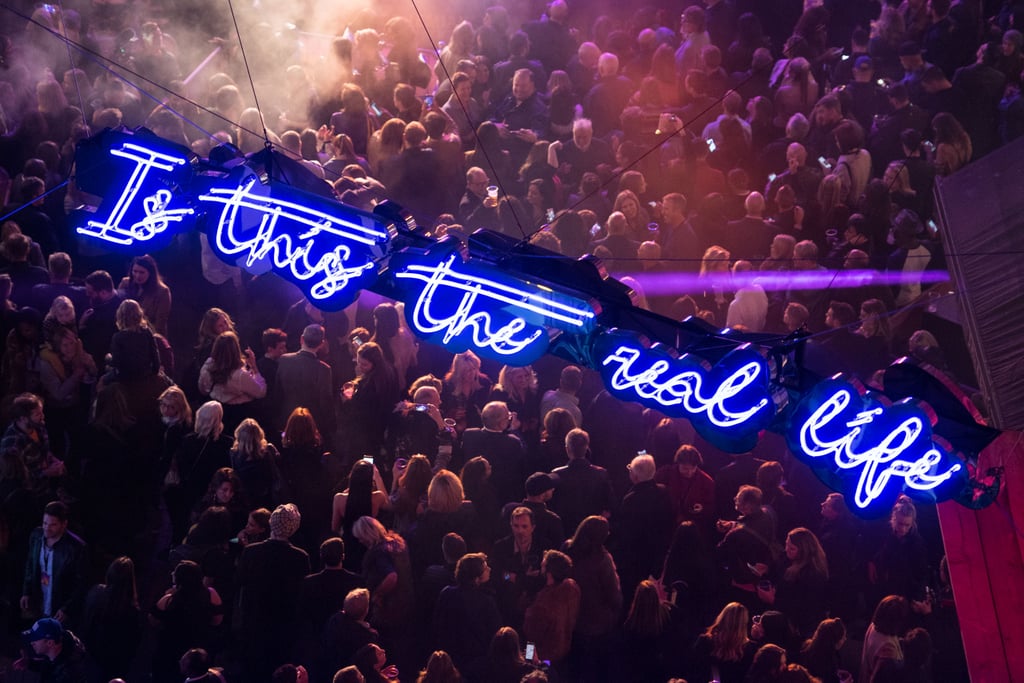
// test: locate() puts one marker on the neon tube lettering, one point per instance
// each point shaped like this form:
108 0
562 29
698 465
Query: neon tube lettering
158 217
329 271
880 463
668 388
508 339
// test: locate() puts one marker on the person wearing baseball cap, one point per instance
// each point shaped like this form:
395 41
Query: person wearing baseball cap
540 486
59 656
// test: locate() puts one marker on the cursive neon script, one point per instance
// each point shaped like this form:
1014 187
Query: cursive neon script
302 255
506 338
664 384
878 463
157 216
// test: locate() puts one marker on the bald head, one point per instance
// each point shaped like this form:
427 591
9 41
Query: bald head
754 204
588 53
607 65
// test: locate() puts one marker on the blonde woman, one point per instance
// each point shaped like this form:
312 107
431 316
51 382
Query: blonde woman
724 652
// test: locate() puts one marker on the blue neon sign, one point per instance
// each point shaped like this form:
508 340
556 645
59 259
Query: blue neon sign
728 404
146 173
477 306
330 252
871 451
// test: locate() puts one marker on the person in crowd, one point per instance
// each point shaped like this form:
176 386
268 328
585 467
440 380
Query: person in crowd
215 321
111 619
269 579
642 526
503 451
600 596
551 617
882 640
746 550
724 650
365 496
347 631
55 578
388 575
61 655
691 490
364 415
144 284
583 488
98 323
185 617
134 353
466 616
900 566
199 455
232 378
800 592
323 593
465 391
820 652
303 380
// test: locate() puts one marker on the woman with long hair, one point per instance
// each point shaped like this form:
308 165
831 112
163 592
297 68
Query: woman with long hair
133 348
505 662
111 619
952 144
200 454
820 652
255 462
184 617
637 217
409 492
439 669
882 640
646 632
176 415
342 154
375 393
309 476
874 326
385 143
354 117
800 592
480 490
232 378
600 594
388 575
144 284
364 496
466 391
395 339
215 322
724 651
714 275
224 490
447 511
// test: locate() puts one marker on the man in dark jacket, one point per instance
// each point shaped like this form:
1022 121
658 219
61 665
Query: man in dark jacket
504 451
466 616
55 569
269 579
584 489
304 380
61 654
643 525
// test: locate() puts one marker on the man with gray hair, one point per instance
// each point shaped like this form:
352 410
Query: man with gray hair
643 527
584 153
751 236
605 101
584 488
503 450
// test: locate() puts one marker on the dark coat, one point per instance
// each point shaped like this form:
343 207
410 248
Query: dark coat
68 577
507 456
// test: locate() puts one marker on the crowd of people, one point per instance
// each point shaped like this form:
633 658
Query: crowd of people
333 500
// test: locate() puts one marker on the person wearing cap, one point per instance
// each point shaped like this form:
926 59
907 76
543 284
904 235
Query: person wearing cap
59 654
914 66
540 487
269 579
862 98
55 568
884 140
911 257
305 380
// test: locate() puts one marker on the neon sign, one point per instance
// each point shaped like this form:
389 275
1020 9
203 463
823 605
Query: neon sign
130 220
303 238
461 296
870 450
476 306
728 404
